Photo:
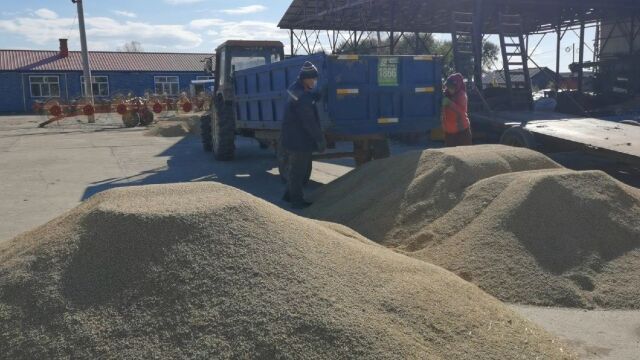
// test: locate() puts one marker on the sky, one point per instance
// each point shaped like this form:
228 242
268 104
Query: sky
173 25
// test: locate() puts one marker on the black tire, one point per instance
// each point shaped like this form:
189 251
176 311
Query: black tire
283 166
361 152
223 133
146 118
518 137
380 149
131 119
205 132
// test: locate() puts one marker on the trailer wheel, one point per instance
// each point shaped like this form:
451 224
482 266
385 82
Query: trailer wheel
361 152
380 148
223 132
518 137
283 166
131 119
205 132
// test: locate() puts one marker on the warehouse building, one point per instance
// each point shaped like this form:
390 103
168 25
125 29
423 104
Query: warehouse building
29 76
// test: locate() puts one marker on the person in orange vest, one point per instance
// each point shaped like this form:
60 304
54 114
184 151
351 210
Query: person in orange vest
455 120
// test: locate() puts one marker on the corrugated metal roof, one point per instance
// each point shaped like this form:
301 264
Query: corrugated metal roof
37 60
435 16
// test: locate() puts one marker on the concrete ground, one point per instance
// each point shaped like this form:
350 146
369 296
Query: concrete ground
44 172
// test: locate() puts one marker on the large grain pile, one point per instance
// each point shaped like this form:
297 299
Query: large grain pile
206 271
551 237
391 199
548 236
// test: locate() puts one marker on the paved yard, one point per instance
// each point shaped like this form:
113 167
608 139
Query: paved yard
44 172
47 171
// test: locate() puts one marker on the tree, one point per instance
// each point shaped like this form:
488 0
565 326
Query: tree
426 44
131 46
490 52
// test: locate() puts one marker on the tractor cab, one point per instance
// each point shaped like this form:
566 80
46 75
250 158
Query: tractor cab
234 55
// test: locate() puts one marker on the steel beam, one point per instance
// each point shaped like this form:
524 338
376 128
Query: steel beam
478 21
581 57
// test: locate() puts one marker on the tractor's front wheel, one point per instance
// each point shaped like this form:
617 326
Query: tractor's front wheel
205 132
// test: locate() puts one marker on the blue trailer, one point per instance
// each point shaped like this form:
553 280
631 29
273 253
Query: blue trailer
364 98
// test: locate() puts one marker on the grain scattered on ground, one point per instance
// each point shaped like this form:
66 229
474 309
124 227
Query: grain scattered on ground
176 126
207 271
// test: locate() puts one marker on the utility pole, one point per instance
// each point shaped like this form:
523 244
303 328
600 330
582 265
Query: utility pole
88 87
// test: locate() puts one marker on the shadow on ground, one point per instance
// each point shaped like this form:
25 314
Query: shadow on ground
254 170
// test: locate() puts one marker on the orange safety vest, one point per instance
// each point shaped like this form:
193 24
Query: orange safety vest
454 116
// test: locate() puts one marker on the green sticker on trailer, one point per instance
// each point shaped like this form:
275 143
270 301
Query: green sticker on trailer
388 71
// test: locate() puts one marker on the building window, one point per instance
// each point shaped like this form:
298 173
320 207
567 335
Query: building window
99 85
44 86
167 85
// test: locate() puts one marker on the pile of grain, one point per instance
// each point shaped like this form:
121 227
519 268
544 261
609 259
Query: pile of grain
391 199
206 271
549 236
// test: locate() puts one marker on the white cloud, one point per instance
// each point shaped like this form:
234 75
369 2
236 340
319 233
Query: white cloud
106 33
218 30
205 23
46 13
251 9
180 2
125 13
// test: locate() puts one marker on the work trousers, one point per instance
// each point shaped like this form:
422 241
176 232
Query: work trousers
299 163
462 138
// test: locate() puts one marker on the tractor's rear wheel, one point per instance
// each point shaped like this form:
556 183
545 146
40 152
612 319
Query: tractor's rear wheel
205 132
223 132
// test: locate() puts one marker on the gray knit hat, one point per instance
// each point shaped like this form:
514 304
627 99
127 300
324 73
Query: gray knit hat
308 71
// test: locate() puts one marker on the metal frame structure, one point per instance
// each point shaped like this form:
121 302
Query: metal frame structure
335 41
355 21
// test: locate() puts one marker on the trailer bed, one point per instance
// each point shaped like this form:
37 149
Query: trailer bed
593 134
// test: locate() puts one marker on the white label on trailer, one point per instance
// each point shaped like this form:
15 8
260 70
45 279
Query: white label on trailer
348 91
423 58
388 120
428 89
348 57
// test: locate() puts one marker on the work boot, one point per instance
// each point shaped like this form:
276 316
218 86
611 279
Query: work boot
300 205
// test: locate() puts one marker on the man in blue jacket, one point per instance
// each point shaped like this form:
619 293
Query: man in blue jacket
301 133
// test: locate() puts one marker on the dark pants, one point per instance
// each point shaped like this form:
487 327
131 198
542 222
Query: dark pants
462 138
296 176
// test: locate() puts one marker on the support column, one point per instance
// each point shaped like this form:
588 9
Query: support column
632 36
581 56
558 49
392 43
291 39
478 21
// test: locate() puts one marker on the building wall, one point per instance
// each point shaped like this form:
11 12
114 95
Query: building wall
11 100
17 98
